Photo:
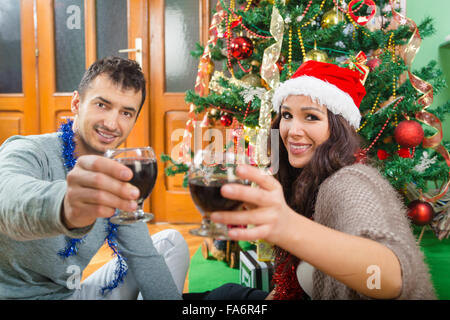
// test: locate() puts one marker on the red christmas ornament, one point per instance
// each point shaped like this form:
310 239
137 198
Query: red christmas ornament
382 154
409 134
420 212
226 120
404 153
241 48
373 63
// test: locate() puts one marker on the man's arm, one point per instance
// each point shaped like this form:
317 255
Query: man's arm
30 205
33 207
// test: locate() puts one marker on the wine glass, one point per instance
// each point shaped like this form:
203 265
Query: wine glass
208 172
142 161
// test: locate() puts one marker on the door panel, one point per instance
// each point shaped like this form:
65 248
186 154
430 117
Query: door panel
173 133
181 32
55 19
175 27
18 108
69 44
12 123
111 27
10 44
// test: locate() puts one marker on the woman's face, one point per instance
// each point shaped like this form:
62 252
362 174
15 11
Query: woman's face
303 127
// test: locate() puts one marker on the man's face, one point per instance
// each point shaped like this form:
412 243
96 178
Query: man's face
105 116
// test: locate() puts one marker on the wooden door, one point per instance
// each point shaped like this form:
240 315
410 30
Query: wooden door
71 36
175 27
18 108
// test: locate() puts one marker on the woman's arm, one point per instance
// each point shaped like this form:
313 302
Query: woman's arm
342 256
349 259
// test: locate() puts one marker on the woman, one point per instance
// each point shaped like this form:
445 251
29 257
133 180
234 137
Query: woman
340 229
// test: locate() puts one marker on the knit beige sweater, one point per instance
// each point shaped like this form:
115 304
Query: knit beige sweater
357 200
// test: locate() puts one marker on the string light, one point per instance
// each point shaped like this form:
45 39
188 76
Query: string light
302 46
249 3
370 113
315 16
290 52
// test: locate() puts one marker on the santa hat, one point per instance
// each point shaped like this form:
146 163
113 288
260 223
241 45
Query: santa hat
339 89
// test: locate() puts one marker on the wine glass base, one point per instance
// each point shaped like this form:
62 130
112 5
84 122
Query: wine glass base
130 218
215 231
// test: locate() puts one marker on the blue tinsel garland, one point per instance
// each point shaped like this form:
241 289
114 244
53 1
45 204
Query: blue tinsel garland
68 153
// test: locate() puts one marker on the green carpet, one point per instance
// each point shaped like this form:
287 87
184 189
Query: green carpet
206 275
437 256
209 274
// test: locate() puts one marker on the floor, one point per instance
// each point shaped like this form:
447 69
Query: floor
104 254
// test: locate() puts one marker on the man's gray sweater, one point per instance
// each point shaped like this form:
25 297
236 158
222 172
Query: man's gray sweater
32 189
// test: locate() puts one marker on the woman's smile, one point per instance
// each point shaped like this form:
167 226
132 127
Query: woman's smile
298 149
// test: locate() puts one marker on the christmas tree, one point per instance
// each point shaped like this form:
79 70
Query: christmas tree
254 45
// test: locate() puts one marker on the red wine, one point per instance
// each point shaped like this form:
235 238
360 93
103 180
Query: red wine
207 197
145 172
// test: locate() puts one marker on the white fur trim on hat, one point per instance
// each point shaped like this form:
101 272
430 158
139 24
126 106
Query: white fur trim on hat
322 92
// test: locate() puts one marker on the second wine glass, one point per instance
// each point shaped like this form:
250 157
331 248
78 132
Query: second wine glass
208 172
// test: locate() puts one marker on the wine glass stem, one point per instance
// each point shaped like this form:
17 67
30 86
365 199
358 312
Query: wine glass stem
139 209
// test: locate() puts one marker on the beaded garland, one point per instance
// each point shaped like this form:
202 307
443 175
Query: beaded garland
71 249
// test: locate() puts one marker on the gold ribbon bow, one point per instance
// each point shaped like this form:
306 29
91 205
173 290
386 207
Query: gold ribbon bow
271 74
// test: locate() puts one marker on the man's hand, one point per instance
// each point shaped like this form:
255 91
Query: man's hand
96 186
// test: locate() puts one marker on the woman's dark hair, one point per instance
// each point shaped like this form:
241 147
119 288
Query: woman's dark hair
124 72
301 185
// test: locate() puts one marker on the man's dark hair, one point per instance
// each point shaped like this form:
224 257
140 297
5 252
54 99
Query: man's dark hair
124 72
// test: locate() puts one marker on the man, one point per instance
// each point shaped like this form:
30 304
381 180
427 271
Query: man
58 187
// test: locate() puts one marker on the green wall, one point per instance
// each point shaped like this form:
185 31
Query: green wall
439 10
437 253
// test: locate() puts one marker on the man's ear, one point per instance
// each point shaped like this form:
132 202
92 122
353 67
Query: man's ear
75 102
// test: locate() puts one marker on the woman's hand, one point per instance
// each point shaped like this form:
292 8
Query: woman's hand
269 214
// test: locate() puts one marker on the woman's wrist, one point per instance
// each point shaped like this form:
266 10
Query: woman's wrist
291 233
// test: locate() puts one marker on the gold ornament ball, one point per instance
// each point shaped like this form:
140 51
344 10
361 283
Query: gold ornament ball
331 18
316 55
252 80
213 112
211 67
